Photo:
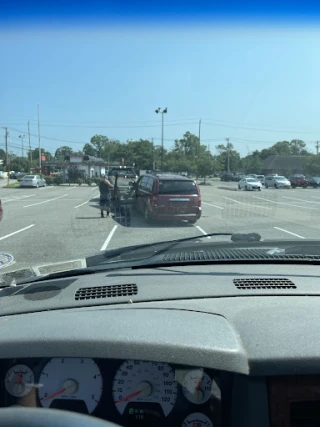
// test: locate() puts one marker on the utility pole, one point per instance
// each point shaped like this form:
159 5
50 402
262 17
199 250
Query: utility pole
199 137
158 110
39 137
6 139
29 142
317 147
153 159
228 155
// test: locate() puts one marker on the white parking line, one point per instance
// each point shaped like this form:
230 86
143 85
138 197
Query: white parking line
45 201
16 232
282 203
289 232
106 243
248 204
81 204
301 200
72 188
202 231
46 188
94 188
214 206
17 198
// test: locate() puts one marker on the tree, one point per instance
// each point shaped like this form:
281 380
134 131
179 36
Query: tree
226 151
205 166
89 150
312 164
61 152
35 155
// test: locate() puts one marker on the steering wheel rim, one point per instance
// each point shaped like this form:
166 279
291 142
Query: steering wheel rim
18 416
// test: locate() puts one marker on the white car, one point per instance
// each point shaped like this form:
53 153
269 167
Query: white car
32 181
249 184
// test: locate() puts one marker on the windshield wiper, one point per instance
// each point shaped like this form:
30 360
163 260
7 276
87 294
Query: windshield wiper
110 257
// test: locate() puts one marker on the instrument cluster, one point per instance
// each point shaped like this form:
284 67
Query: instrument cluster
126 392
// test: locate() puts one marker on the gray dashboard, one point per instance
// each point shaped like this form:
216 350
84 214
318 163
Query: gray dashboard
266 328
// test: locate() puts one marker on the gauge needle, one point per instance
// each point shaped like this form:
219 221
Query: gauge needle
54 394
19 378
129 396
198 385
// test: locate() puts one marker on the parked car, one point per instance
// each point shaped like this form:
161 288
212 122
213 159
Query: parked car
261 178
249 184
314 181
168 197
227 177
298 180
277 181
124 172
32 181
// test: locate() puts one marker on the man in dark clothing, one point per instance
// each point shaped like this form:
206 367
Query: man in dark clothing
105 187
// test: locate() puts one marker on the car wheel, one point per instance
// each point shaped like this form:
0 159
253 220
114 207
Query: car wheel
37 185
259 188
192 221
239 188
275 186
246 188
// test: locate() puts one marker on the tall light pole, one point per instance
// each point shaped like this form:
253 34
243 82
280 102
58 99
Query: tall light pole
158 111
38 108
22 138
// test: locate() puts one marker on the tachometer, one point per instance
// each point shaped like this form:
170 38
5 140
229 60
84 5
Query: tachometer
19 380
148 386
70 383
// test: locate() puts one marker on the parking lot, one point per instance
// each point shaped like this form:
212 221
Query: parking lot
53 224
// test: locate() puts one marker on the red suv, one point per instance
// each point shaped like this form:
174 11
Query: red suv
168 197
298 180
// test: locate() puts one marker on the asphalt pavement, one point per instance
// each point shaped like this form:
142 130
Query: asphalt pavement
60 223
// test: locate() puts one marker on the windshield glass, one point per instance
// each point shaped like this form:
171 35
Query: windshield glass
113 109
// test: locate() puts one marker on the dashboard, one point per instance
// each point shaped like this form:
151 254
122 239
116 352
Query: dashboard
126 392
172 353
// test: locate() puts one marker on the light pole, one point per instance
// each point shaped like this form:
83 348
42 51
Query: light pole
158 110
22 138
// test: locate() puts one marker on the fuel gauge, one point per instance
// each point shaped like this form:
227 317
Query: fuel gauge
19 380
197 420
196 386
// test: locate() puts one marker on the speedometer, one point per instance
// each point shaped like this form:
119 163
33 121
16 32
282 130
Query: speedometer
70 383
144 386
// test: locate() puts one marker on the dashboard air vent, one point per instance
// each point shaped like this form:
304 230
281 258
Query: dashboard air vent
111 291
265 283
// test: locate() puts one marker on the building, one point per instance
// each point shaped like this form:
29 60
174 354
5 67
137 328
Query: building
283 165
88 166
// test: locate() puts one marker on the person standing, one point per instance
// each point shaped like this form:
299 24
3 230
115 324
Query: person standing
105 187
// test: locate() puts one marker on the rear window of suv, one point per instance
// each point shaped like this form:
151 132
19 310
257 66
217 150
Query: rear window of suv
177 187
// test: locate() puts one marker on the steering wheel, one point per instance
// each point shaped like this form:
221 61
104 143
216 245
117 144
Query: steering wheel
38 417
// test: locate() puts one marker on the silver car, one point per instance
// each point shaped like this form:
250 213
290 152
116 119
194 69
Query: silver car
277 182
32 181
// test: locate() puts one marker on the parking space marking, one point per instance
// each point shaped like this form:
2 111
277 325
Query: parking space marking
17 198
16 232
72 188
94 188
248 204
210 204
282 203
76 207
302 200
289 232
45 201
46 188
202 231
106 243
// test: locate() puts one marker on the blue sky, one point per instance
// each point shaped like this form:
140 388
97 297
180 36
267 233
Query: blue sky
256 83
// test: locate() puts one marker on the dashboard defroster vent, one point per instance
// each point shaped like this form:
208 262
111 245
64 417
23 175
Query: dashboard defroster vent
111 291
265 283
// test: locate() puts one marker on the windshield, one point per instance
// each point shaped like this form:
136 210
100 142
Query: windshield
134 125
